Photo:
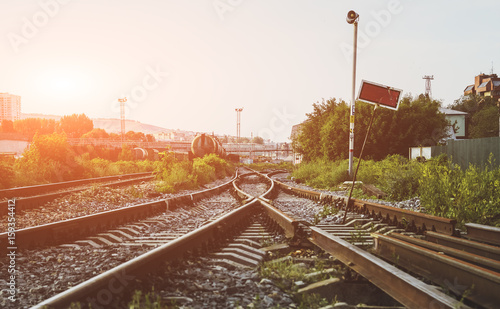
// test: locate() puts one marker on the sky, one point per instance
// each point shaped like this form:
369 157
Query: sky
188 64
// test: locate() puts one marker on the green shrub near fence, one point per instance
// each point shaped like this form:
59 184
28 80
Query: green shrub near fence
471 195
445 189
395 175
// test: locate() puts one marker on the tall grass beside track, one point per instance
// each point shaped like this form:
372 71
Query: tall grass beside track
174 174
471 195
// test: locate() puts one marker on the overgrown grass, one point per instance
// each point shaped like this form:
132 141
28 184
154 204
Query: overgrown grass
174 174
18 173
288 166
471 195
51 159
322 174
395 175
285 273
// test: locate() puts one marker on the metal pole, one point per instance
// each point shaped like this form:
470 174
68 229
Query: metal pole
353 98
359 161
122 117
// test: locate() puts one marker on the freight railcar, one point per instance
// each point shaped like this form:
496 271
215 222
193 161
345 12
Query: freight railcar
205 144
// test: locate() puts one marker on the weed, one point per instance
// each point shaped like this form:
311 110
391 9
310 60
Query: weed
311 301
357 237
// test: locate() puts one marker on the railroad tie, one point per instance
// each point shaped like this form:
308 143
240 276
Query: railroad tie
243 251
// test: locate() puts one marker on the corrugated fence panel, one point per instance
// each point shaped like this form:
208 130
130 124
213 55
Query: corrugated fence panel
470 151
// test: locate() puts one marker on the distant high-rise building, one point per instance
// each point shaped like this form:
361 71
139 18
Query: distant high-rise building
10 107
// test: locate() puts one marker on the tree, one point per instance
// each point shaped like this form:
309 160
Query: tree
76 125
49 158
325 134
125 154
30 126
313 141
483 114
7 126
258 140
484 123
7 173
135 136
96 133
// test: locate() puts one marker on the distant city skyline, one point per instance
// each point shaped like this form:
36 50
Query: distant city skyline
188 64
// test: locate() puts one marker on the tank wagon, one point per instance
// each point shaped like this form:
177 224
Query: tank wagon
201 145
205 144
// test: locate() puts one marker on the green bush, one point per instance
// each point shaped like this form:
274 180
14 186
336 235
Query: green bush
221 167
203 172
398 177
174 174
322 174
472 195
7 173
178 176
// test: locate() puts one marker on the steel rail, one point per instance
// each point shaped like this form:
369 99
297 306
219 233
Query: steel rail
36 189
108 282
242 194
289 225
485 233
302 192
464 279
419 221
31 202
460 254
403 287
66 230
466 245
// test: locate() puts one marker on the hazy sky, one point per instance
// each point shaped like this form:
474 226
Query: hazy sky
187 64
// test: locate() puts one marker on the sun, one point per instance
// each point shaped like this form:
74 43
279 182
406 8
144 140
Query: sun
61 83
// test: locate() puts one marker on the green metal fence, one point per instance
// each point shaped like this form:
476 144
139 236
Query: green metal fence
470 151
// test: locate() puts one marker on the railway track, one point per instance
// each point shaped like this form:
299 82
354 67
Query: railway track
374 243
31 197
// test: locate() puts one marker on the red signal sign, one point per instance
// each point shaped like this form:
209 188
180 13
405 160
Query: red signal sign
382 95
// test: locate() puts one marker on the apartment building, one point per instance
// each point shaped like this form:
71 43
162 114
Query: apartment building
10 107
485 85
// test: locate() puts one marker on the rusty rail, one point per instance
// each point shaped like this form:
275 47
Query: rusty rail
57 232
25 203
460 254
485 233
199 239
462 278
37 189
289 225
417 221
406 289
466 245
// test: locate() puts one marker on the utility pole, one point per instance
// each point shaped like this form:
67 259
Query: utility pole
238 123
122 117
352 18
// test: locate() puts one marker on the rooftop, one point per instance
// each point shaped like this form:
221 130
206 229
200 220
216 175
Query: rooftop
450 112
